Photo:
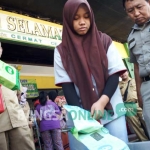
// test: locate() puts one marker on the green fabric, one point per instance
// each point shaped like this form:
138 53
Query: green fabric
74 131
82 119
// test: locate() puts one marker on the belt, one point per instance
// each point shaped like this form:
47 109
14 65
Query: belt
147 78
130 102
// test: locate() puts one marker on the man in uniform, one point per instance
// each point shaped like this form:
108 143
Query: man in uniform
139 46
134 112
14 129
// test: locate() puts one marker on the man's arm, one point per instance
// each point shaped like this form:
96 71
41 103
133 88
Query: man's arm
138 81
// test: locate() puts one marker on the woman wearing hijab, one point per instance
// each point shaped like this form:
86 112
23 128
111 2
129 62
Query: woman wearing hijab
48 115
60 101
87 66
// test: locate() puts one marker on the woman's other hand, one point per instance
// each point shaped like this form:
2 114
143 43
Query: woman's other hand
63 111
30 124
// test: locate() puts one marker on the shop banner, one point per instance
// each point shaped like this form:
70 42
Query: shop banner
32 91
24 30
29 31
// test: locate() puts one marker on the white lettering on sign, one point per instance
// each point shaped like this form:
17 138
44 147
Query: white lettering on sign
29 30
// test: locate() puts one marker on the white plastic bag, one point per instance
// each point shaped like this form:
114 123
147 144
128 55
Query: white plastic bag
91 133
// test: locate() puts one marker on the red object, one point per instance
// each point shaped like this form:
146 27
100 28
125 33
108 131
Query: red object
64 136
1 101
99 121
36 103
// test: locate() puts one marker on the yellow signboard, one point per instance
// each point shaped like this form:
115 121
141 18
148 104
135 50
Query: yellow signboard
26 30
23 29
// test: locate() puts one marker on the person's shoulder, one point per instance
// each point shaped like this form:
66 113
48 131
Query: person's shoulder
132 80
130 34
53 103
120 83
50 102
106 40
104 36
58 47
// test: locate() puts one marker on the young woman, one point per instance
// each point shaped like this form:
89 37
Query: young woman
87 66
47 112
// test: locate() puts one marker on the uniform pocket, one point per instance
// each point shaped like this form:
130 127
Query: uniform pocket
131 43
147 37
133 87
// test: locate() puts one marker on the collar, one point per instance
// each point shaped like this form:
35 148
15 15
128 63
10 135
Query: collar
136 27
123 82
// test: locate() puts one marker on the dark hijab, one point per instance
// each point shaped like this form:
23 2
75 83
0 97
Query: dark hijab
52 95
84 55
42 98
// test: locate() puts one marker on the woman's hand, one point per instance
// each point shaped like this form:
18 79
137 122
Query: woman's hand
63 111
97 109
30 124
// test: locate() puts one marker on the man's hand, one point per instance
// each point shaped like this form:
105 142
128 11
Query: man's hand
30 124
97 109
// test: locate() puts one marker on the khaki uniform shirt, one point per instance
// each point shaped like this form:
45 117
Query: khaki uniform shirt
13 116
26 109
132 94
139 46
